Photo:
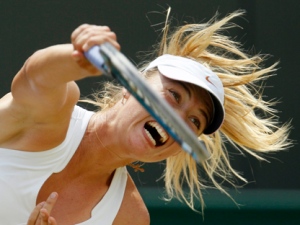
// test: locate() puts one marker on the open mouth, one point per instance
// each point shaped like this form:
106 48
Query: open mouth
156 133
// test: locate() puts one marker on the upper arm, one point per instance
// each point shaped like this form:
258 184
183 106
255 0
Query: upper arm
33 110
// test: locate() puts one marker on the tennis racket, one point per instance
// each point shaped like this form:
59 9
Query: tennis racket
112 62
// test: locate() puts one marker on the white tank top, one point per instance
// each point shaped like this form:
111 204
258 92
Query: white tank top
22 175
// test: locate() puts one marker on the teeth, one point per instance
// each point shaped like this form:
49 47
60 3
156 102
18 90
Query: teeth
150 137
160 130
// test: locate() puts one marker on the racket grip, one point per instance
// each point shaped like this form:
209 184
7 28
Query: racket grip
95 57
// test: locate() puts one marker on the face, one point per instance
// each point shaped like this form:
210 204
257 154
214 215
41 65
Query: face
146 139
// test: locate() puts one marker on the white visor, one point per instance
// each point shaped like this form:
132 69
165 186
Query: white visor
187 70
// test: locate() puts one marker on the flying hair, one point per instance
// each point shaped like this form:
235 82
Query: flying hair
250 124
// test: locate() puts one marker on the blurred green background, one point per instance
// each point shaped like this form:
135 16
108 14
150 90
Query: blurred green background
269 27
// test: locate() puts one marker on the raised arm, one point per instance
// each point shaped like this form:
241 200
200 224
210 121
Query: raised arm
47 76
43 93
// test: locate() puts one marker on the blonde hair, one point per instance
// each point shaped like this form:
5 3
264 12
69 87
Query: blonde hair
250 123
109 94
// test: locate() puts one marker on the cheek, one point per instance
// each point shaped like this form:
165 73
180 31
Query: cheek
179 150
132 107
173 151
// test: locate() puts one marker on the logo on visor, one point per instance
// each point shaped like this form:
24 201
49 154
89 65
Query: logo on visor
207 78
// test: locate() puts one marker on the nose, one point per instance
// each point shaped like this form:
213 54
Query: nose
182 114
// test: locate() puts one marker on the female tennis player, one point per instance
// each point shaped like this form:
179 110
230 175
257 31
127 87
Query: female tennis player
62 164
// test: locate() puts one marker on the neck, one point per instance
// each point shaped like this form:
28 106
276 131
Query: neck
99 153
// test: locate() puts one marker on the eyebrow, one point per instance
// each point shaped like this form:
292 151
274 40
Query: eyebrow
188 91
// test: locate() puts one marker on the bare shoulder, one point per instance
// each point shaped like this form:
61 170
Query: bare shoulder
27 116
133 210
21 127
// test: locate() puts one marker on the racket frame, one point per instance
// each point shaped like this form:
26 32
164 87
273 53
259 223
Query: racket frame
113 63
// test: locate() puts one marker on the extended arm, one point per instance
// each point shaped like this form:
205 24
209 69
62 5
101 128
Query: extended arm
44 93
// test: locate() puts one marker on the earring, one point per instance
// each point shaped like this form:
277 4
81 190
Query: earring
137 167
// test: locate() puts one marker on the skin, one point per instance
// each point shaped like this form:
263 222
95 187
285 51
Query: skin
41 213
40 106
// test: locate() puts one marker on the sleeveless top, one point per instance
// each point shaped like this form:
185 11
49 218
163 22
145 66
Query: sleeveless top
22 175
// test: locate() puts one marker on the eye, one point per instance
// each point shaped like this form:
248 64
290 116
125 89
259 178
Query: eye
196 122
175 95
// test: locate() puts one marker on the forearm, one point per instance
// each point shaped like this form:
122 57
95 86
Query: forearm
54 66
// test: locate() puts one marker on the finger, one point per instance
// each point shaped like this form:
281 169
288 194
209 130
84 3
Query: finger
77 55
52 221
85 64
35 213
78 30
84 32
44 217
47 208
94 35
50 202
86 27
98 40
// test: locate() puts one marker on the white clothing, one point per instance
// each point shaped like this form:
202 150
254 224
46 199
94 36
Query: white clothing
22 175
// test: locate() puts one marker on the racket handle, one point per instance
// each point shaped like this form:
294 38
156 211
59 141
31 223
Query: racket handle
95 57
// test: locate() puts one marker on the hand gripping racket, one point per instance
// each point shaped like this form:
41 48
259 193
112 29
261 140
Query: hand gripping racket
112 62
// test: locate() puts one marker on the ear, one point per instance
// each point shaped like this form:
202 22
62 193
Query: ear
125 93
